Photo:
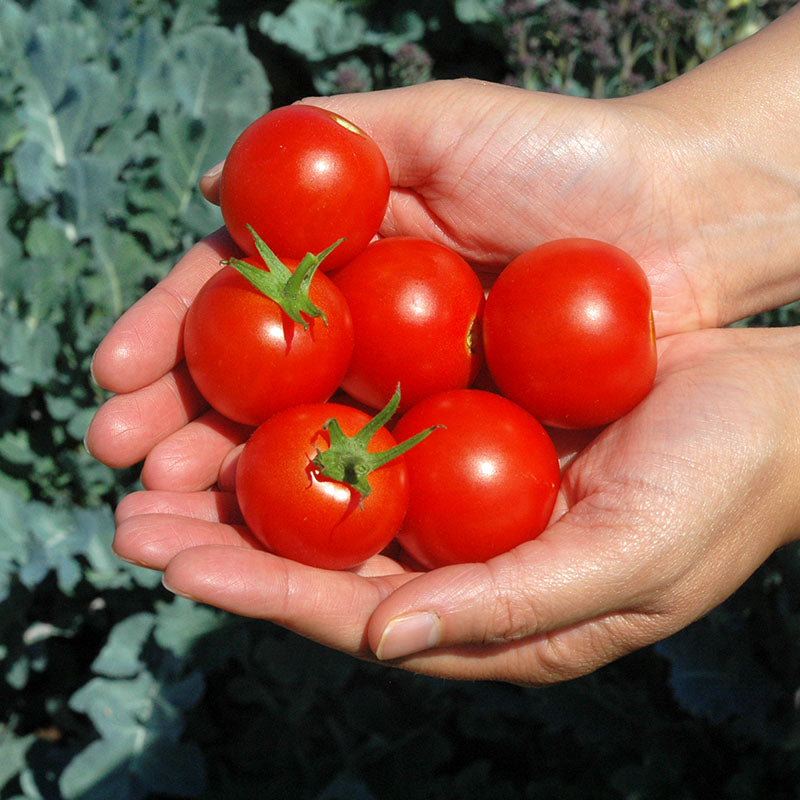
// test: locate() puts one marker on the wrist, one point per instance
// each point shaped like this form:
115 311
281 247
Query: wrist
733 162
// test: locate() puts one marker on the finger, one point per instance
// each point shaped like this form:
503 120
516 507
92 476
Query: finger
442 142
412 158
152 540
571 574
331 607
190 459
415 126
127 426
227 470
210 506
544 659
145 343
209 183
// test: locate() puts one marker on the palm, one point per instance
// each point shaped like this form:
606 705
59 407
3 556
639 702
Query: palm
492 171
622 567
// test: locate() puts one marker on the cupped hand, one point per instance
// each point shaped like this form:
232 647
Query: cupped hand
490 171
660 517
486 169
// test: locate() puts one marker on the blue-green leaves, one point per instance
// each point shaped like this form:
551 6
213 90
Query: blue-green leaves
139 717
109 114
346 50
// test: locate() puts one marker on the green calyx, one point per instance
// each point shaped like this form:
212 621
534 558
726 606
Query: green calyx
288 289
347 459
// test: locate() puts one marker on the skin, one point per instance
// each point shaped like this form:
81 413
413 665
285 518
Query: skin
660 516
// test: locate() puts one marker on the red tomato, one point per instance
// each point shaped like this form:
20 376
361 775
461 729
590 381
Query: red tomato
300 514
416 308
249 359
480 485
568 333
304 177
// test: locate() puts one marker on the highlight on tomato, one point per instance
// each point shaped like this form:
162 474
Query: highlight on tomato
266 333
325 485
568 333
304 177
482 484
416 307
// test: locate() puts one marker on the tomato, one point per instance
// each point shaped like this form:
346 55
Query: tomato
249 358
416 308
482 484
568 333
292 505
304 177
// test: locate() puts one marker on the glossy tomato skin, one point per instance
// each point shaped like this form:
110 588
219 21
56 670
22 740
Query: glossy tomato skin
568 333
250 360
416 308
300 515
303 178
481 485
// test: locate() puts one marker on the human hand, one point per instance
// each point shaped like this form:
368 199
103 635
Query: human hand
503 169
659 518
490 171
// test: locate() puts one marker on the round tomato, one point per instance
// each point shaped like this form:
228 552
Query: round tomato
482 484
416 308
568 333
304 177
298 512
249 359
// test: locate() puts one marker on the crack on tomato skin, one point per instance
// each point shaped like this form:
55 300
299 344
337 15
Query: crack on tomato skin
288 330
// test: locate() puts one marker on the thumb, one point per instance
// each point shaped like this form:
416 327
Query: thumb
392 117
573 574
418 127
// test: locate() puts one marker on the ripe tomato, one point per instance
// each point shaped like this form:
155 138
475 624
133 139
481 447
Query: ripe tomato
482 484
568 333
416 308
304 177
297 512
249 359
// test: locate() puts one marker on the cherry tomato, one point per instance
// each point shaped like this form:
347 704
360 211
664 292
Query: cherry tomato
568 333
304 177
416 308
479 486
299 513
249 359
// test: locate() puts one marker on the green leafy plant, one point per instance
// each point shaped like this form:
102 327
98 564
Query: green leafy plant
109 114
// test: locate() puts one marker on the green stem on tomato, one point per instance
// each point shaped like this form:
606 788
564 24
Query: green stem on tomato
288 289
347 459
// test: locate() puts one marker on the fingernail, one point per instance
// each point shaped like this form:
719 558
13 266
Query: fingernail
409 634
214 171
91 369
174 591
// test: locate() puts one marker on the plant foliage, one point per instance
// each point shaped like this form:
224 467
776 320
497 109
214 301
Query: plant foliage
109 113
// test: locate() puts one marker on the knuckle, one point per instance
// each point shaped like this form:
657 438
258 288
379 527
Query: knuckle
512 610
